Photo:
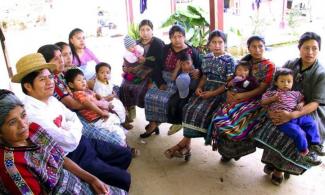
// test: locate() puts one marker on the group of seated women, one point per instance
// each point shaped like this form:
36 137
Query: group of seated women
235 105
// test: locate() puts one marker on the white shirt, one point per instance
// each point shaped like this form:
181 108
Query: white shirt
103 89
68 134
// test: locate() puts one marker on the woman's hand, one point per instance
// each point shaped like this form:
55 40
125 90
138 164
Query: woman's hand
195 74
279 117
207 94
99 186
126 69
141 59
198 91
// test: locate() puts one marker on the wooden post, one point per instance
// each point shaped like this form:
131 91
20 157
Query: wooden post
129 12
173 6
216 14
5 54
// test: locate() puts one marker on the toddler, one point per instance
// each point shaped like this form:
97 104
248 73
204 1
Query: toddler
302 130
182 77
104 88
95 111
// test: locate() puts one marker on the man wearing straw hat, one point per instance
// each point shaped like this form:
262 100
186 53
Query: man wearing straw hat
106 161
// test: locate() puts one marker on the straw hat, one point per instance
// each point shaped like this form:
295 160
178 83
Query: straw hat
30 63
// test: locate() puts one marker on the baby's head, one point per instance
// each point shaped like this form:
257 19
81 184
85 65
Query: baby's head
129 43
186 62
103 72
283 79
75 79
243 69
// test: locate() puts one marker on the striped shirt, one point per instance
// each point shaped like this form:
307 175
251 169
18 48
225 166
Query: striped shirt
288 100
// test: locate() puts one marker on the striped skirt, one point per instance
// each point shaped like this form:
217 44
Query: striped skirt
197 113
280 150
133 94
68 183
232 128
156 101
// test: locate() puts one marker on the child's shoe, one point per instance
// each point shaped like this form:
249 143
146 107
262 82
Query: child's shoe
319 149
312 158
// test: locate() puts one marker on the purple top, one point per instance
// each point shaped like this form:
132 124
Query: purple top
85 58
288 99
88 62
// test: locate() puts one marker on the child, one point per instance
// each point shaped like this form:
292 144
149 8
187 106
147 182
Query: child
302 130
242 81
104 88
132 55
95 111
182 77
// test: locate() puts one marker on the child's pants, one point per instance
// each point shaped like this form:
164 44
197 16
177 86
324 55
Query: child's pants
302 130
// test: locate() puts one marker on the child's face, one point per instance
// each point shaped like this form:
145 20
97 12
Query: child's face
131 48
284 82
187 66
79 83
103 74
242 71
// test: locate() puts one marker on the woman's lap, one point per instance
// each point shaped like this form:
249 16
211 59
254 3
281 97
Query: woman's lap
133 94
280 150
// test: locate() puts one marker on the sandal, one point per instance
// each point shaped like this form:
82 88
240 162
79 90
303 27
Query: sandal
178 151
276 180
135 152
268 169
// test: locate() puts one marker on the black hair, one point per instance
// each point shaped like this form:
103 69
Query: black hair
184 56
61 44
245 64
309 36
101 64
255 38
5 92
217 33
29 78
48 51
281 72
73 49
176 28
71 74
146 22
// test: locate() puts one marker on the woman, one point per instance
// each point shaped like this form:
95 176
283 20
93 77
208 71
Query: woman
66 55
217 67
52 54
83 57
132 94
232 136
158 100
280 154
33 163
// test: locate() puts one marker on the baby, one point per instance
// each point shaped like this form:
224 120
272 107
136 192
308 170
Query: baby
302 130
132 55
242 81
104 88
96 111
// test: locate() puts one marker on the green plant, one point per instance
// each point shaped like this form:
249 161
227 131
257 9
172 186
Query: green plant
194 23
133 31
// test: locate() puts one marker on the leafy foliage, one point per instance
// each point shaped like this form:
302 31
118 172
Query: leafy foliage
194 23
133 31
